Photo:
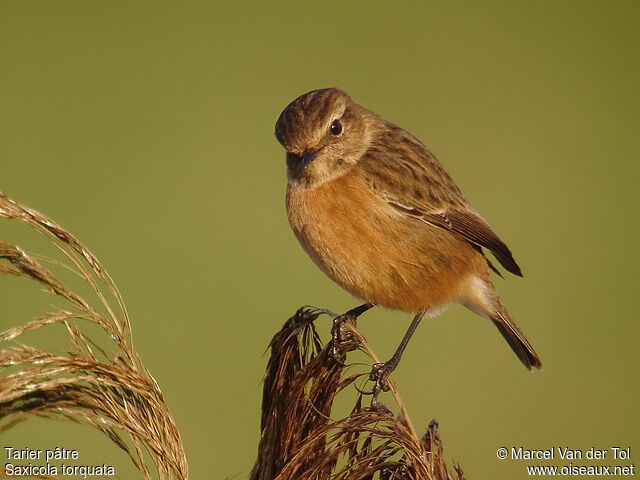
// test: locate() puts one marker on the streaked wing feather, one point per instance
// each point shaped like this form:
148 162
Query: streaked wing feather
402 171
478 248
472 227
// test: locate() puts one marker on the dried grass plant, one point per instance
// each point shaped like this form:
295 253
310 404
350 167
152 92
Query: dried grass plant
108 387
300 440
105 386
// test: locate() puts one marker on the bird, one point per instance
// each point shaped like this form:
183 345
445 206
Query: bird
380 216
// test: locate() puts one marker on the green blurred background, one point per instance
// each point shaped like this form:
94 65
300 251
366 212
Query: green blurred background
146 128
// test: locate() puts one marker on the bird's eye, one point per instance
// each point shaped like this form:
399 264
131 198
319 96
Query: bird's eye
336 128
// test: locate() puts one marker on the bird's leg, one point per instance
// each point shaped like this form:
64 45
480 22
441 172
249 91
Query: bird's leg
337 333
381 371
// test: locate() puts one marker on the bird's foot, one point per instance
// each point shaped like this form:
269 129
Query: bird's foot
342 340
326 311
378 406
378 375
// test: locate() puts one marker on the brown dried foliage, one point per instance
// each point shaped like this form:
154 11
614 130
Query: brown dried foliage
300 439
108 387
113 392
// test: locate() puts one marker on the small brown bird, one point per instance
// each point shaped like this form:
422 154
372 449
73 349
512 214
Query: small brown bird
376 211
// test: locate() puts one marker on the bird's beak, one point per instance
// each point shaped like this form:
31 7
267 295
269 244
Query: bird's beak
308 156
298 162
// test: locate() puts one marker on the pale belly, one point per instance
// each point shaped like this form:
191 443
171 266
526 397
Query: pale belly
375 252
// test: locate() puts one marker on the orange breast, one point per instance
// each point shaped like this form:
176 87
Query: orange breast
375 252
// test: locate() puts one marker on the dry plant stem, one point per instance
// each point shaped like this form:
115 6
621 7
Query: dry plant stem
301 439
392 386
105 384
100 383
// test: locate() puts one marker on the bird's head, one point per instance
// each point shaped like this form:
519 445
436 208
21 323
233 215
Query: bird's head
324 133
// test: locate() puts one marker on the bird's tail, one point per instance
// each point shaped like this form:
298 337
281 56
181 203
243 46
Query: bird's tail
481 297
514 337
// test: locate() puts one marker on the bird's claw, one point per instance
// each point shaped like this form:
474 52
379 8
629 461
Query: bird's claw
379 406
341 338
378 375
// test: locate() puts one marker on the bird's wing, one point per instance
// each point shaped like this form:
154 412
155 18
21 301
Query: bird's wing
402 171
473 227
